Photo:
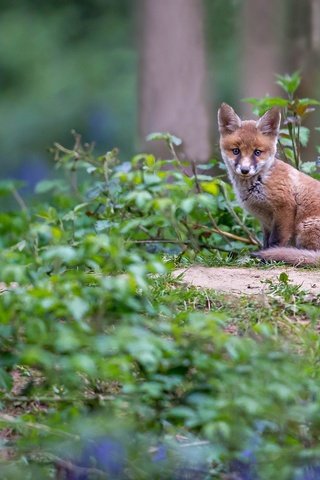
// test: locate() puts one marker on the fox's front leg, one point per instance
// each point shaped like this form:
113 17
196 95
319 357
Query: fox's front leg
282 229
266 236
278 235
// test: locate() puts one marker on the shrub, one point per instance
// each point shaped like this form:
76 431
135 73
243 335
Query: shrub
109 363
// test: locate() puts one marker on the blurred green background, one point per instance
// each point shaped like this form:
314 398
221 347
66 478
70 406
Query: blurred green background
68 64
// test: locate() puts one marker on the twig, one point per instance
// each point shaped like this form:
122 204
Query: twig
216 228
19 199
232 236
195 174
298 146
199 190
176 157
145 230
201 244
159 240
74 180
252 238
63 149
174 153
282 150
192 239
292 137
198 443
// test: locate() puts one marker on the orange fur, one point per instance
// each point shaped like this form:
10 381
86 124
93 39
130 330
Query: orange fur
286 201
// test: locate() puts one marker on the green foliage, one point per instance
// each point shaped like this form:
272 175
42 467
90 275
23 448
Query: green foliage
293 135
97 331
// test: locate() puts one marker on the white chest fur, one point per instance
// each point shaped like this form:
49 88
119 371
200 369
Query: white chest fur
251 194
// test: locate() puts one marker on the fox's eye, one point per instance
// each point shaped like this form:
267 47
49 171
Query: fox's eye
257 152
235 151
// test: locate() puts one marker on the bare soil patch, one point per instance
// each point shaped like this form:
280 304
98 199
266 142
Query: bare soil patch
251 281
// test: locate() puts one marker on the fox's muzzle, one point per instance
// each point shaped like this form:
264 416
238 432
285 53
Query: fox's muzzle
244 170
245 166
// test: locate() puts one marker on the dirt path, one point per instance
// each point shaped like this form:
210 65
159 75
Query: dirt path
247 280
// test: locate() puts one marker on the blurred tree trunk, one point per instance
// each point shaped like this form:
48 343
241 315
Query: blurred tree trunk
173 76
261 59
301 52
315 26
312 73
304 36
297 41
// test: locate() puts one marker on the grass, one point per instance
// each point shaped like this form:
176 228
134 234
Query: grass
285 308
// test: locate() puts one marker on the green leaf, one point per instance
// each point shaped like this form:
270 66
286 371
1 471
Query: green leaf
283 277
7 186
150 160
210 187
6 381
95 191
83 363
205 166
182 413
164 136
67 340
77 307
309 167
101 225
263 104
62 252
187 204
46 186
308 101
304 135
289 83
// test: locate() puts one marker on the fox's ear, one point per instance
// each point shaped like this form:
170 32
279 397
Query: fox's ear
269 123
228 120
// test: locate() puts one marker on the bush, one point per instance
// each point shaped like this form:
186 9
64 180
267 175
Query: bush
108 362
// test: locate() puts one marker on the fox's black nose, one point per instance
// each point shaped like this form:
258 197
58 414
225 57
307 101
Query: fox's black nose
244 170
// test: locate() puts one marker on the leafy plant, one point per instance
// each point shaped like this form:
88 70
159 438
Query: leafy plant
105 356
160 202
294 135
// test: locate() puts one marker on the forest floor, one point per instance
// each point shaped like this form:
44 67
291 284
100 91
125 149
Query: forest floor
251 281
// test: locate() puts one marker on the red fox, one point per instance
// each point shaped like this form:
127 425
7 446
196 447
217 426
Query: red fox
285 201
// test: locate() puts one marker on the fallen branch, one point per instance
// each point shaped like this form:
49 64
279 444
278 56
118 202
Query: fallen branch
232 236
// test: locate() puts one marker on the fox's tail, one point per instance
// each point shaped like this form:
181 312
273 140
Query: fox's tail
290 255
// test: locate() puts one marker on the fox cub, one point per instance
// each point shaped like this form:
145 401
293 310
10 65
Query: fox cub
286 201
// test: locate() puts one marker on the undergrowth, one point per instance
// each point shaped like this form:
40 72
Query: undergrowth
111 367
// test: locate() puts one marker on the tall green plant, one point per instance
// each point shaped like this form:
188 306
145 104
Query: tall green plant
294 135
